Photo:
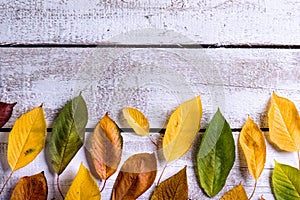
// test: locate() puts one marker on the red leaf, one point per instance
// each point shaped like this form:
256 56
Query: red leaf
5 112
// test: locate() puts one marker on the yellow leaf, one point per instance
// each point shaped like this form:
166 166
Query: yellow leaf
254 147
27 138
284 124
237 193
182 128
136 120
84 186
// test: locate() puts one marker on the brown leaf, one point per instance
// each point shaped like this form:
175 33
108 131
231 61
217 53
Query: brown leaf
5 112
136 176
31 187
175 187
262 198
105 146
237 193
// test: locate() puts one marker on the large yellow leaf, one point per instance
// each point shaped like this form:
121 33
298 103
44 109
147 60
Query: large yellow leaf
27 138
284 124
182 129
237 193
84 186
254 147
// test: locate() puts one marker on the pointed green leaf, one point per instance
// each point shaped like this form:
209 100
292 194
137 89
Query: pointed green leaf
286 182
68 133
216 155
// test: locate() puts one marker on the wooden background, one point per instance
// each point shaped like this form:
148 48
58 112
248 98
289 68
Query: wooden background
152 55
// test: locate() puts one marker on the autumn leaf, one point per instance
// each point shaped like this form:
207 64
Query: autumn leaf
84 186
27 138
216 155
105 146
253 144
286 182
284 124
68 133
135 177
237 193
175 187
31 187
182 128
136 120
5 112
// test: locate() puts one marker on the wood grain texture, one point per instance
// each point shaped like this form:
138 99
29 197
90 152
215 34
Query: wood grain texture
134 144
220 22
156 81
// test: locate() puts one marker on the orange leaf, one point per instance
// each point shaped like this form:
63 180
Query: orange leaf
237 193
105 146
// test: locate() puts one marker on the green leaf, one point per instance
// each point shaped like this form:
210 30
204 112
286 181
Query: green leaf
175 187
68 133
216 155
286 182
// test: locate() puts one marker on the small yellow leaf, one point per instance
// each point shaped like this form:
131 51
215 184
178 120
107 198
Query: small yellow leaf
136 120
84 186
27 138
284 124
254 147
237 193
182 128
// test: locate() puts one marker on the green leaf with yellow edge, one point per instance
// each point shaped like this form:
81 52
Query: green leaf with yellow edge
286 182
84 186
68 133
27 138
284 124
31 187
182 129
175 187
253 144
237 193
216 155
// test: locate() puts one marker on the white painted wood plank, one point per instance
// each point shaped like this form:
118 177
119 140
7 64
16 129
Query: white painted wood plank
134 144
221 22
239 81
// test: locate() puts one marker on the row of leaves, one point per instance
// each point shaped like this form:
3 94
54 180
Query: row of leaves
215 157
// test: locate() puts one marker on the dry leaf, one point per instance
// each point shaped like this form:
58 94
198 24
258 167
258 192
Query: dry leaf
136 120
237 193
84 186
5 112
182 128
105 146
253 144
135 177
31 187
284 124
27 138
175 187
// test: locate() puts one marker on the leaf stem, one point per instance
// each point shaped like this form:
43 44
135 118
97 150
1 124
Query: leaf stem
161 174
103 185
58 187
253 190
5 183
153 140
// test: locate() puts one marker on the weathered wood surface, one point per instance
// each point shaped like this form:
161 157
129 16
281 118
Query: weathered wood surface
221 22
134 144
239 81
